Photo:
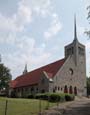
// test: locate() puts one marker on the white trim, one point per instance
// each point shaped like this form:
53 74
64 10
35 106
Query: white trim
46 74
50 79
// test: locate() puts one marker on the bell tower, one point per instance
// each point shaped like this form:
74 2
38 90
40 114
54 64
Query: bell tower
75 49
76 52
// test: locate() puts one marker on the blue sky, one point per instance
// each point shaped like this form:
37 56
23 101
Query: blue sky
36 31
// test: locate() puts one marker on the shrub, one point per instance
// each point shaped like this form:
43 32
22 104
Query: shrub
54 97
69 97
31 96
62 97
13 94
43 96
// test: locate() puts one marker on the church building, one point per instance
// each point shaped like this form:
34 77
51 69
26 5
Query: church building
67 75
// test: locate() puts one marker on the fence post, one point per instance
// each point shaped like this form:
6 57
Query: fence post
48 102
6 107
58 101
40 106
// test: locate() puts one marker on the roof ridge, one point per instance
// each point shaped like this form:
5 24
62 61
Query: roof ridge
34 76
42 67
46 65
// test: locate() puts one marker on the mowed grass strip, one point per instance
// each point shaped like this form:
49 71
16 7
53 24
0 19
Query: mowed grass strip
2 107
23 106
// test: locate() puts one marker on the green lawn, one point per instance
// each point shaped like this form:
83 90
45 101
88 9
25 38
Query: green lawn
23 106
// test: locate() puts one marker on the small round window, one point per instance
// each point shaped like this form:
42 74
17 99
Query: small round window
71 71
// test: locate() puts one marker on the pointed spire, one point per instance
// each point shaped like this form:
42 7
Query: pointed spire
25 69
75 28
25 66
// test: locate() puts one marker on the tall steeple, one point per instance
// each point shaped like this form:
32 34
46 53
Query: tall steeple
75 28
25 69
72 49
75 42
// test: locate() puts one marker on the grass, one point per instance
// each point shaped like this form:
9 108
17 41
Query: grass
23 106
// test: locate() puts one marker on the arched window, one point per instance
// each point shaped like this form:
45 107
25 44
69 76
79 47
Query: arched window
54 90
55 87
32 89
71 71
37 90
58 88
70 90
42 91
65 89
75 90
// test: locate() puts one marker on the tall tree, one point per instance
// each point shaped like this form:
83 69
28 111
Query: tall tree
5 78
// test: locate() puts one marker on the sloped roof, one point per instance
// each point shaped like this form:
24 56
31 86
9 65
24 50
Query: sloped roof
34 76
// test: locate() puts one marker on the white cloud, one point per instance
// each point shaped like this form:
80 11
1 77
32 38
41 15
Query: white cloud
25 44
17 21
25 48
88 45
87 2
23 15
55 27
7 38
27 53
40 7
40 60
80 30
6 23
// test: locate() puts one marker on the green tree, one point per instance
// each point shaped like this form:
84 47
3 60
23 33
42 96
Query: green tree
5 78
88 18
88 86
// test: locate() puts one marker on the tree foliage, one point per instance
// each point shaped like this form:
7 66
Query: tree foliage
88 18
5 77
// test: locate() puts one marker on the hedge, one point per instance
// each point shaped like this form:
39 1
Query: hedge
43 96
55 97
31 96
69 97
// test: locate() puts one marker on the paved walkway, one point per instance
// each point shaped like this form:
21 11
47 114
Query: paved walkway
81 106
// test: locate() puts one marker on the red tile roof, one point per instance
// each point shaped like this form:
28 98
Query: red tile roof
34 76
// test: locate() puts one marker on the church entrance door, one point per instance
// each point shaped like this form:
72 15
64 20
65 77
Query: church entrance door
65 89
75 90
70 90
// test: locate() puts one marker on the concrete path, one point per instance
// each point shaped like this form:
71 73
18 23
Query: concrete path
81 106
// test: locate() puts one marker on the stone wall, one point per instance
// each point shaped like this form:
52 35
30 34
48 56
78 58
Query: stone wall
70 75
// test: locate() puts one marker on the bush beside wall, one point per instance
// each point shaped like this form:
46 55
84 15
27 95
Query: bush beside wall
51 97
69 97
55 97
